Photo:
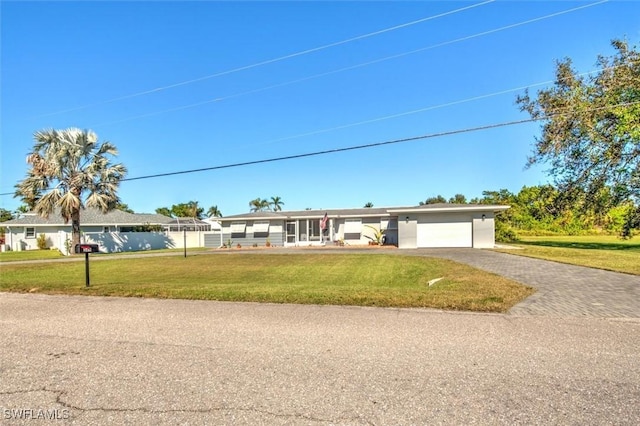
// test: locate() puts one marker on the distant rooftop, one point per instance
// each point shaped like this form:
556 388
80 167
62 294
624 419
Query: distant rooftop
90 216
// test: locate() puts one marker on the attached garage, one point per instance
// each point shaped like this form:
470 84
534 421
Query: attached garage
447 225
440 230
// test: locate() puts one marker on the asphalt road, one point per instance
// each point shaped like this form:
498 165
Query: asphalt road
89 360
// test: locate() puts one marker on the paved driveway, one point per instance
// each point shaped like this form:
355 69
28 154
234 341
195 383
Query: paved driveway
562 290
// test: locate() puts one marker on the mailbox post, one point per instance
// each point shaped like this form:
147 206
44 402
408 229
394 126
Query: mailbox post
86 249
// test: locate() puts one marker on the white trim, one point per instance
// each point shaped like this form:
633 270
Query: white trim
26 232
463 208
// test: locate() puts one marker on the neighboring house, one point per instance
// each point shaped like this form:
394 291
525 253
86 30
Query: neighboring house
433 225
113 231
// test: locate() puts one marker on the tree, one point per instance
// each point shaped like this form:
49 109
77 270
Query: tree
276 203
194 210
165 211
259 205
124 207
214 212
5 215
190 209
434 200
458 199
591 129
69 170
368 205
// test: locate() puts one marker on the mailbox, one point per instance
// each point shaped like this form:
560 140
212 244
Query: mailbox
87 248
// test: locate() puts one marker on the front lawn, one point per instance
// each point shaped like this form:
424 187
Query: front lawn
602 252
12 256
336 279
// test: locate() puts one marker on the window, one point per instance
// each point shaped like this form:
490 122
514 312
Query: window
106 229
238 227
352 229
261 227
30 232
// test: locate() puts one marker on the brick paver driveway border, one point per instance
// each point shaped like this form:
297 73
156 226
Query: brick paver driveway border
562 290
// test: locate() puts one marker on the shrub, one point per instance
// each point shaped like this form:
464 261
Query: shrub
42 242
505 233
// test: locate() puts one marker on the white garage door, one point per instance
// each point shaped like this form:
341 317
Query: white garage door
444 231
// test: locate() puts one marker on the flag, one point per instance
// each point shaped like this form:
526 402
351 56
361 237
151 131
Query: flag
323 222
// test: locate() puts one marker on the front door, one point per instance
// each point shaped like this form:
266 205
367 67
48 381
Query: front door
291 232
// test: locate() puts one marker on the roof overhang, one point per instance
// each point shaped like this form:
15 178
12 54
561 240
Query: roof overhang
451 209
337 216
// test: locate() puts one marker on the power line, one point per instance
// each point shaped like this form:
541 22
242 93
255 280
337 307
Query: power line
271 61
365 146
335 150
370 145
428 108
351 67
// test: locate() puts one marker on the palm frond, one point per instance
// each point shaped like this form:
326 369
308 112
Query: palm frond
69 203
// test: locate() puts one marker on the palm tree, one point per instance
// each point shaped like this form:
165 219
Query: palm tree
368 205
70 169
276 203
214 212
255 205
259 205
194 210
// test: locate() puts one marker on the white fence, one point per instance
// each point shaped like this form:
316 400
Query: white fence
116 242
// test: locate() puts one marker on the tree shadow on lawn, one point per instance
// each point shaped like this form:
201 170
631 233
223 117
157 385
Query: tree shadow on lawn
635 246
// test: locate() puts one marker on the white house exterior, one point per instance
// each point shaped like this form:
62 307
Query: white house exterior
434 225
114 231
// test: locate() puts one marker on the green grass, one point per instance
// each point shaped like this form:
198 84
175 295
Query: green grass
336 279
13 256
599 251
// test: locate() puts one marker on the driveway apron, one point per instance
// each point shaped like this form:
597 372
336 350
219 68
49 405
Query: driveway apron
562 290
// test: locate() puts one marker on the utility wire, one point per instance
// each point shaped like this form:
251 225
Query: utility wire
371 145
331 151
351 67
429 108
365 146
273 60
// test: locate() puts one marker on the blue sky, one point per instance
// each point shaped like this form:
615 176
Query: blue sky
188 85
